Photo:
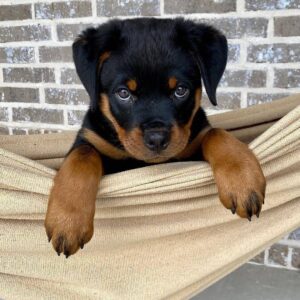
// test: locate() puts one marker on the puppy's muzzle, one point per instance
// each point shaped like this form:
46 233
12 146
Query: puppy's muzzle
156 136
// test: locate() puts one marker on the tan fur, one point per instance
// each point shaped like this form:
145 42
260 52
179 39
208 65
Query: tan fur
103 146
71 206
172 82
105 108
198 95
194 146
236 171
132 85
133 140
134 144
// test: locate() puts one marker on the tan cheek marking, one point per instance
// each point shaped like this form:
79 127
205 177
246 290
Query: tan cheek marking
105 108
132 85
103 146
191 148
198 95
134 141
172 82
136 133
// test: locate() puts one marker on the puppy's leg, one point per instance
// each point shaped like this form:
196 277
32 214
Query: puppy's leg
240 180
71 206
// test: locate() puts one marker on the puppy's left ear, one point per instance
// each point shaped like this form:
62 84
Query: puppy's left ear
87 50
209 48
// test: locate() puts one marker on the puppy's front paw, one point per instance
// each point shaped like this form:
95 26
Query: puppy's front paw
71 206
239 177
241 186
69 229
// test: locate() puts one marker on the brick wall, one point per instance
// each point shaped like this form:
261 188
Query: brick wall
40 91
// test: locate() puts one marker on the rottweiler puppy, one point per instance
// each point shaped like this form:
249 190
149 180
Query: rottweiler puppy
144 78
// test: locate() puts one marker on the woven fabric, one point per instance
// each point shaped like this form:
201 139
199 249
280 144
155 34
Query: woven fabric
160 231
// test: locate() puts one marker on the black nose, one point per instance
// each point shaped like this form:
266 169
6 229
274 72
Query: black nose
156 139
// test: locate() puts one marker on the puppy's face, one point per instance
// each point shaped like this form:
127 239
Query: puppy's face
150 96
148 81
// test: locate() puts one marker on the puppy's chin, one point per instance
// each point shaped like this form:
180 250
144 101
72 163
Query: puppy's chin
152 157
157 159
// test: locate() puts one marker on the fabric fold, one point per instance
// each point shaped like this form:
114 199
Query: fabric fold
160 231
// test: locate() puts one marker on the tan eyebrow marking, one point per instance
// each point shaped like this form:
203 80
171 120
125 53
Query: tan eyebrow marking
172 82
132 84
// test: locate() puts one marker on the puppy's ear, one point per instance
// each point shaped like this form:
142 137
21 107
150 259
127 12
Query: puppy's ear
87 50
209 48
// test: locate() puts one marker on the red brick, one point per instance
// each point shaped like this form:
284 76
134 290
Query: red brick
59 10
111 8
66 96
287 26
38 115
28 75
25 33
15 12
196 6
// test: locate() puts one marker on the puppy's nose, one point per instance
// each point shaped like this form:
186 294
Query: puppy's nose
156 139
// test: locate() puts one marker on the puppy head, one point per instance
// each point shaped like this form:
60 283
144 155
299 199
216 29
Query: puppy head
144 76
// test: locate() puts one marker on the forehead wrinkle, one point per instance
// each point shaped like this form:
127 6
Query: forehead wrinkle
158 62
149 51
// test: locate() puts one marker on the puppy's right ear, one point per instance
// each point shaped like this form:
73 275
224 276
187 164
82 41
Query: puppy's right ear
208 47
88 49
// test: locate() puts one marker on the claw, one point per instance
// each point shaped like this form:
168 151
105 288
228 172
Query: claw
81 244
249 214
264 192
49 235
59 245
66 253
258 208
233 207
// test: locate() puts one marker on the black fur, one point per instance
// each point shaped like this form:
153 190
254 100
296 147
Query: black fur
150 51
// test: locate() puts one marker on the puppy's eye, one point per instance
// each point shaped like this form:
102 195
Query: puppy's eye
181 92
123 94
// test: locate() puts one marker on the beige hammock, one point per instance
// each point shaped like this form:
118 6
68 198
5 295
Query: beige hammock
160 231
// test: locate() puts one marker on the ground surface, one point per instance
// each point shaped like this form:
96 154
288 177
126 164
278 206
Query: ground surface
253 282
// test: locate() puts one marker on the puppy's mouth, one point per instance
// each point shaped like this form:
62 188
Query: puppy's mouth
155 145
